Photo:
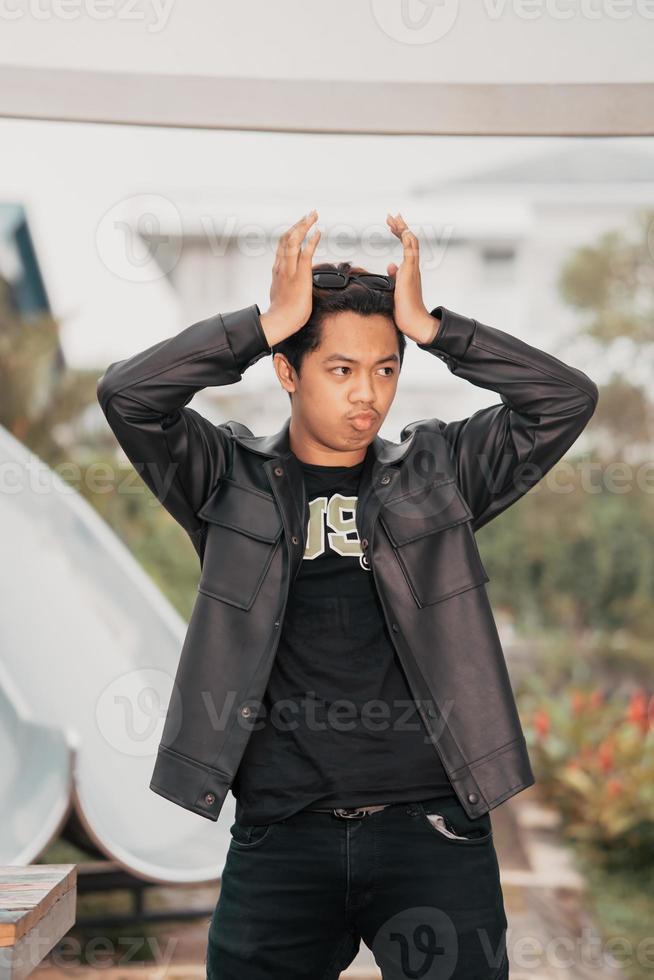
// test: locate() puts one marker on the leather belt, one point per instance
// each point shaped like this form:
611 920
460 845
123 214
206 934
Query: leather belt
350 812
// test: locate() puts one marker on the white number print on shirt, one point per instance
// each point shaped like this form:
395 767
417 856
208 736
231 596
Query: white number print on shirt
332 521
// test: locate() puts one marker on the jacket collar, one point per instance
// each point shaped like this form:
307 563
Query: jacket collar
384 451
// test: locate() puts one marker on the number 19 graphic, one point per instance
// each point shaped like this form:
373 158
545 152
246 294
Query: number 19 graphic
342 536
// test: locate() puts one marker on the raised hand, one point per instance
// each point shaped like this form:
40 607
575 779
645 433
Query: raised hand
291 289
411 315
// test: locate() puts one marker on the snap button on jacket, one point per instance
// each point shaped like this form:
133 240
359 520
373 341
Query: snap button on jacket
241 499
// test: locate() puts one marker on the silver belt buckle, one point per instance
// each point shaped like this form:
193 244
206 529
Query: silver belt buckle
349 813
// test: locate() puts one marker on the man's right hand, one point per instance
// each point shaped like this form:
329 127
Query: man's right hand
291 297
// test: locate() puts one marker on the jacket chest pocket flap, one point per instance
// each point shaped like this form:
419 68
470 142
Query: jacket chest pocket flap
431 533
244 527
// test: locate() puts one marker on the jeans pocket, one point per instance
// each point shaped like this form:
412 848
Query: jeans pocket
249 835
470 831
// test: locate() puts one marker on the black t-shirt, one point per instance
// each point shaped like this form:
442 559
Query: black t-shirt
339 726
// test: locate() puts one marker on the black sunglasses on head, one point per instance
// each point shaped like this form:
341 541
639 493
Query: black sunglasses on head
339 280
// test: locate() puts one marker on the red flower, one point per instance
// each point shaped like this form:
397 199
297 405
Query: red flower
637 712
614 787
605 754
541 722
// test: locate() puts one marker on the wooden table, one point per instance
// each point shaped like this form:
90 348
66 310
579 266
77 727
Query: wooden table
37 908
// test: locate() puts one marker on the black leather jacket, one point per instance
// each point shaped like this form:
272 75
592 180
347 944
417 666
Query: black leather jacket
241 499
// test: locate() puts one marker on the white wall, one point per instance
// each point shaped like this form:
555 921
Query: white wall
438 40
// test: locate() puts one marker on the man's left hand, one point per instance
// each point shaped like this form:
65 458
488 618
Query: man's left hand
411 315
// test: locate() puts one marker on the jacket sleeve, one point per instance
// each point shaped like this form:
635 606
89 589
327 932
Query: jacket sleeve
502 451
177 452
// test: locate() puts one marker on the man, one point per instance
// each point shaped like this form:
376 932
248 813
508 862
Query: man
342 591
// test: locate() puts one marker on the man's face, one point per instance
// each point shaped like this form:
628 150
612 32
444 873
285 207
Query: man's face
354 370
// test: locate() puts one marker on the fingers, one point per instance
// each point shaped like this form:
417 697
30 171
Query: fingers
288 247
401 230
307 253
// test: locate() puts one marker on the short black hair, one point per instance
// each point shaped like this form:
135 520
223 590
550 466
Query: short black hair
355 297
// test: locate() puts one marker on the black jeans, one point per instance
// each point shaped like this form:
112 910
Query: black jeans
298 895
